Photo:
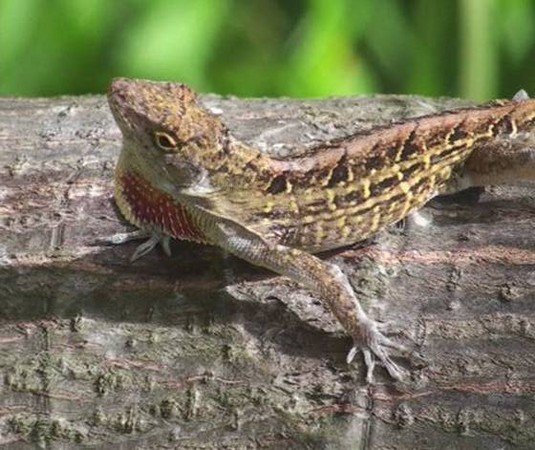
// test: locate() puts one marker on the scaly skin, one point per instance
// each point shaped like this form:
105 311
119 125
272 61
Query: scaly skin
181 174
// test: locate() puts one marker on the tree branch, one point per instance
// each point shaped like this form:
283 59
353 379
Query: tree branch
204 350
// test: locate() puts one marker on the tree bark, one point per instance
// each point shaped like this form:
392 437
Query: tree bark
203 350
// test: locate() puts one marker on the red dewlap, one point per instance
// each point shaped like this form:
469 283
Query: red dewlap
152 207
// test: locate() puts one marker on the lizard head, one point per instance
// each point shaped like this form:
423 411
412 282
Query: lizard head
165 130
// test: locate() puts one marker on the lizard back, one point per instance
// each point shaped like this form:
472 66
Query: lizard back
350 188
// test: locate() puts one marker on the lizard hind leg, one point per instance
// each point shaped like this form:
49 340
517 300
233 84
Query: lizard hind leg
322 278
370 339
520 96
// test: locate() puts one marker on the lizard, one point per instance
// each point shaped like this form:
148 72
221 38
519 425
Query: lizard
181 174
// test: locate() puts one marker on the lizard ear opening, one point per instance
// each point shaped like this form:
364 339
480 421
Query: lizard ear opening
165 141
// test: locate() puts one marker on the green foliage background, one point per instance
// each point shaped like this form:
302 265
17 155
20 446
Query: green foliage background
478 49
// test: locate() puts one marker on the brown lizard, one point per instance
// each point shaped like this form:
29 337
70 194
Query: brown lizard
182 175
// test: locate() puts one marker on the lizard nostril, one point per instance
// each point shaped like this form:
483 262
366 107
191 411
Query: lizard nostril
197 138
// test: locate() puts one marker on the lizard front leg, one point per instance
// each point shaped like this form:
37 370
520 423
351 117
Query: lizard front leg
322 278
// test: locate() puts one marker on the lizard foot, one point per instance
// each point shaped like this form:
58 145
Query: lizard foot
149 244
376 346
152 240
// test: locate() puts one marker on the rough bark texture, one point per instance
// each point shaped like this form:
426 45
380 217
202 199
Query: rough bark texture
203 350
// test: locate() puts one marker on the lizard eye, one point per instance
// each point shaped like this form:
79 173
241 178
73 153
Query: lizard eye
165 141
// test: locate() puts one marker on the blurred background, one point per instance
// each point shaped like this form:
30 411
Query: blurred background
478 49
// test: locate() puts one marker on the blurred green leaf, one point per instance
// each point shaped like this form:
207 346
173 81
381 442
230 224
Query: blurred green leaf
479 49
474 48
172 39
323 61
517 20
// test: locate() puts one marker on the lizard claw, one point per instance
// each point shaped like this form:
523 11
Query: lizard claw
374 346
